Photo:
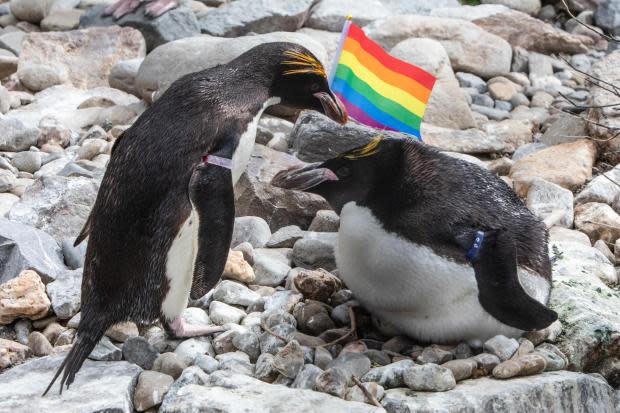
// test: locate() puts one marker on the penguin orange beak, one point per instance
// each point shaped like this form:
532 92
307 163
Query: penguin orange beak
304 177
333 107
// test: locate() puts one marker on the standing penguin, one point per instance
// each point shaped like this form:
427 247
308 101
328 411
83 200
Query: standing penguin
146 223
436 247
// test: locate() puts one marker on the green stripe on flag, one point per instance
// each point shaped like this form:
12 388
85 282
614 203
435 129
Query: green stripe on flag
384 104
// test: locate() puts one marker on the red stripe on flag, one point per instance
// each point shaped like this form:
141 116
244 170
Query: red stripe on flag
424 78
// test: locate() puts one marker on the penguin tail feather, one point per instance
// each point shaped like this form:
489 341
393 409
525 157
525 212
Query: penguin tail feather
81 349
84 232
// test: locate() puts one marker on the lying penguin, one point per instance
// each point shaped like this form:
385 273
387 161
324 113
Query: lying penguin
149 235
437 247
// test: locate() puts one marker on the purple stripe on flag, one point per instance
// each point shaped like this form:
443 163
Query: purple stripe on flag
361 116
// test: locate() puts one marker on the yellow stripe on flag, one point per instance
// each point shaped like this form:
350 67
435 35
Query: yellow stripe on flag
405 99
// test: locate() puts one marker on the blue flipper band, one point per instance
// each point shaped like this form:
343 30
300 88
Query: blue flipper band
472 254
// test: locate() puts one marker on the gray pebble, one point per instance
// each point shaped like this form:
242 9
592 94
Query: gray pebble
502 346
332 381
138 350
306 377
429 377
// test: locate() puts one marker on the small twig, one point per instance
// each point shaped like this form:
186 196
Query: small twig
351 331
368 395
273 333
594 80
611 180
331 343
587 26
602 224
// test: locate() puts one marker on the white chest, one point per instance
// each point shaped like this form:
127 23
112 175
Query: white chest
408 286
242 154
180 267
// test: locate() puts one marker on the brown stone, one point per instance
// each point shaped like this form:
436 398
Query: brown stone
598 221
39 345
507 369
12 353
23 296
317 285
238 269
568 165
462 369
87 56
521 30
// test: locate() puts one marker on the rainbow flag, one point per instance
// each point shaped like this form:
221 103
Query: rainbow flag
377 89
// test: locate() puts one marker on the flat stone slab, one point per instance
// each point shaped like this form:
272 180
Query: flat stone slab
560 391
233 393
99 386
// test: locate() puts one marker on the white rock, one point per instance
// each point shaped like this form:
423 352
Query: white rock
556 391
330 14
471 49
545 198
65 294
221 313
571 258
229 392
448 105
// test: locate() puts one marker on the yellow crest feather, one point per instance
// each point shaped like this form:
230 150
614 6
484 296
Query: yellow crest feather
305 62
369 149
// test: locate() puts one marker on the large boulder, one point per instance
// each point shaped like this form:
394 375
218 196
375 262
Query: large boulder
608 16
519 29
175 24
560 391
85 57
531 7
23 247
241 17
588 309
61 102
100 386
57 205
605 112
331 14
169 62
604 188
471 49
421 7
228 392
568 165
255 196
448 106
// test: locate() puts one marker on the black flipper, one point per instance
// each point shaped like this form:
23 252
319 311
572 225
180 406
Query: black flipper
499 290
212 196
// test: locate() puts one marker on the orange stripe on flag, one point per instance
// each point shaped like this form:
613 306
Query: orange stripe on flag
424 78
396 79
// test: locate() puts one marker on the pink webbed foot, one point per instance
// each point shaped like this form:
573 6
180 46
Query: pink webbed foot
182 329
159 7
121 8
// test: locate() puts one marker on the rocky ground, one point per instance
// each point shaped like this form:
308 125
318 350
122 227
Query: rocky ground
72 81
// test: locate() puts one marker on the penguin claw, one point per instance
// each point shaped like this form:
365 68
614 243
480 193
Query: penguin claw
160 7
179 328
121 8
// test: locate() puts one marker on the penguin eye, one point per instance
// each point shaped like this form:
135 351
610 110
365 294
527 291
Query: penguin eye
314 87
343 171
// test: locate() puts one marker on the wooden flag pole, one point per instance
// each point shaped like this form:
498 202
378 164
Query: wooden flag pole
343 37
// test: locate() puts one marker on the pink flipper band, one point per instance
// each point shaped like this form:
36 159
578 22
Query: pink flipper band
216 160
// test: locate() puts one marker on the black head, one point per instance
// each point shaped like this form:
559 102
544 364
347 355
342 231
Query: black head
355 175
297 77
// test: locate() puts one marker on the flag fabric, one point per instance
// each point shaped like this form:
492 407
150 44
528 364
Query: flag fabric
377 89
